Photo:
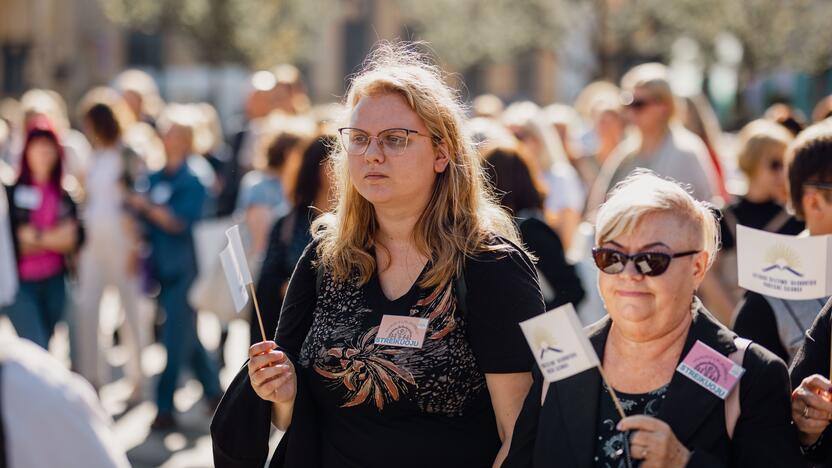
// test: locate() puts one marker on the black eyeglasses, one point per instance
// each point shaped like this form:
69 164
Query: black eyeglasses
395 140
613 262
819 185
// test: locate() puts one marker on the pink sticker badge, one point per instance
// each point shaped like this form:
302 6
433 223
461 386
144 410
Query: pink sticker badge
402 331
716 373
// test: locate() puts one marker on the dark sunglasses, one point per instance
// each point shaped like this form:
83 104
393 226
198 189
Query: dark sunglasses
613 262
639 104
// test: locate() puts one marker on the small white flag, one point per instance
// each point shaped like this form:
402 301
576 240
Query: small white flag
559 343
786 267
235 266
236 244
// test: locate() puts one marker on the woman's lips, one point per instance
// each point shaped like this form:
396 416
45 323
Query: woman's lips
375 176
632 293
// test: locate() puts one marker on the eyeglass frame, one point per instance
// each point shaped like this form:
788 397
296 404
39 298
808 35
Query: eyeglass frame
819 185
628 258
408 131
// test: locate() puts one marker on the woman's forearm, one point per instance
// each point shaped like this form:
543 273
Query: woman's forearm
282 414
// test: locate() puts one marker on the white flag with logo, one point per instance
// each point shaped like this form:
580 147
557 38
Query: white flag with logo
786 267
235 266
560 346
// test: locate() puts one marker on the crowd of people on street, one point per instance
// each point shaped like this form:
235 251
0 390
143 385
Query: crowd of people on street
403 206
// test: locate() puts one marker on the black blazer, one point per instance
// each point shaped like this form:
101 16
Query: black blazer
562 432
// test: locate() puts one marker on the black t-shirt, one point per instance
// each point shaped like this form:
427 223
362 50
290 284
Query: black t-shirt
545 244
756 215
381 405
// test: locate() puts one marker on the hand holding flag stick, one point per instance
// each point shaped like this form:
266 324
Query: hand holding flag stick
562 349
235 265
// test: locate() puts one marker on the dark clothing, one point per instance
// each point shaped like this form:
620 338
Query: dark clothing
564 283
19 216
232 175
813 358
172 253
289 237
362 405
610 446
755 321
757 216
562 433
781 331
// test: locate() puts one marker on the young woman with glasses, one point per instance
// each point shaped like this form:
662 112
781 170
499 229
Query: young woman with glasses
398 341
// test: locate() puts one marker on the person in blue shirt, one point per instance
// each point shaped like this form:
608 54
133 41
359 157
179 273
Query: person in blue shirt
169 208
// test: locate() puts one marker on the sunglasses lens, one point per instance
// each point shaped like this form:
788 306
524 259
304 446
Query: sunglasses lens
651 264
609 261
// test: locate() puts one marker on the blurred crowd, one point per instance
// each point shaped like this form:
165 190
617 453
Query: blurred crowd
126 191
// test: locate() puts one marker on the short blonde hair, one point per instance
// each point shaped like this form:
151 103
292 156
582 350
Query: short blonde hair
461 215
184 116
757 139
653 76
644 193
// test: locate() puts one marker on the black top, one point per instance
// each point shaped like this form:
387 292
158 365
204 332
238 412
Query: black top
563 432
610 446
289 237
813 358
757 216
755 321
366 405
545 244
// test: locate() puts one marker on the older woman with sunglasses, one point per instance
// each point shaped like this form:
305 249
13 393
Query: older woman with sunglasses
655 243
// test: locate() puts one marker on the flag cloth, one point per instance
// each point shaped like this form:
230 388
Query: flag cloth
559 343
785 267
236 244
235 266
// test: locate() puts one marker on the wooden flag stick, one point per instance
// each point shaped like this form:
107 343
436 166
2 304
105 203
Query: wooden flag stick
615 399
257 309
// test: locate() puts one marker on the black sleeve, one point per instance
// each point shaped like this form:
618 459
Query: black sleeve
296 314
755 321
813 358
271 280
502 291
521 452
551 261
765 435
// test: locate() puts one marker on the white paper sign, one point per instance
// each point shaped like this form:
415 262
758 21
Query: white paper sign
559 343
785 267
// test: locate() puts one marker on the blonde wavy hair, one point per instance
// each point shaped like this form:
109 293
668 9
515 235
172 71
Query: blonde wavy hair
461 215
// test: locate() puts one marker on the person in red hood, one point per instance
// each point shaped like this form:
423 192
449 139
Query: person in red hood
45 229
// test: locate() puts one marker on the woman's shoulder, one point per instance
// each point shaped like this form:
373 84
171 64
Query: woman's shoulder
498 255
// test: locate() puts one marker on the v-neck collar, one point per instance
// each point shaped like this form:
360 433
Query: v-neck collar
378 301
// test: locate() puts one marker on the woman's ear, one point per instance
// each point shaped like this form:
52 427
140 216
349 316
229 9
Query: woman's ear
700 267
440 163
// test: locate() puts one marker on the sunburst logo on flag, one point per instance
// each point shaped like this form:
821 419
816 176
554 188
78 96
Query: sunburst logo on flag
783 257
545 342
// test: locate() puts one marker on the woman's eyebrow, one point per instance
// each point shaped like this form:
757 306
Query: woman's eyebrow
644 247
